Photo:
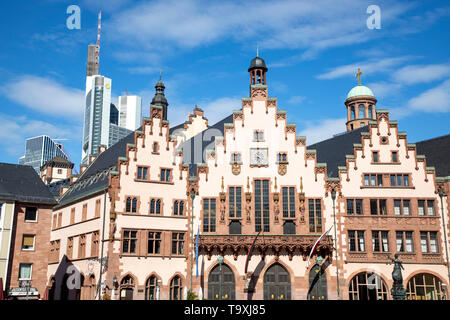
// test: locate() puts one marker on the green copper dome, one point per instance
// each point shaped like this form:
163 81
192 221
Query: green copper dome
360 91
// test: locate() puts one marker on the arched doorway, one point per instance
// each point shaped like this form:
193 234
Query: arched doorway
221 281
317 284
277 283
367 286
126 288
425 286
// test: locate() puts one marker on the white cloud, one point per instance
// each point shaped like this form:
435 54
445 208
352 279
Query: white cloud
413 74
45 95
164 25
316 131
384 89
296 99
433 100
368 67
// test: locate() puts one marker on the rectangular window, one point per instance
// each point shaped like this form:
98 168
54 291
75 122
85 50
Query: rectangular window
97 208
406 210
430 207
421 207
69 251
433 242
356 240
84 213
59 219
258 136
28 241
129 241
25 270
375 156
165 175
366 180
354 206
30 214
178 243
154 243
95 244
288 194
428 242
394 156
350 209
378 207
399 180
282 157
262 205
315 215
404 241
235 157
235 202
397 207
142 173
424 241
82 246
373 180
380 242
209 215
72 216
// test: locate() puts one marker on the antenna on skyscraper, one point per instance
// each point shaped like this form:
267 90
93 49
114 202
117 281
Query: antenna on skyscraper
98 37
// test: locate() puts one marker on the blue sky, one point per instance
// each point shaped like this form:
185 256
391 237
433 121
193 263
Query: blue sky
312 50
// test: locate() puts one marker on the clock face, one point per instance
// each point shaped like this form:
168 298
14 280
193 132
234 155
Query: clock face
258 156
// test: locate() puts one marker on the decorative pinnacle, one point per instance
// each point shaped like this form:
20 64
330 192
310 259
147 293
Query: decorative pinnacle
301 184
358 75
248 184
222 184
275 184
160 74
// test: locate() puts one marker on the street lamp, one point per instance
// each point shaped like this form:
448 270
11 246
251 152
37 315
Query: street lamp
333 197
192 232
442 195
220 261
319 261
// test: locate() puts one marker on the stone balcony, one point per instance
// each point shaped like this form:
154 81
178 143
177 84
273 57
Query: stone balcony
277 245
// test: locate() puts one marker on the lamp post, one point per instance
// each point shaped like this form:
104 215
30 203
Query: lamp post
333 197
442 195
220 260
192 233
319 260
115 286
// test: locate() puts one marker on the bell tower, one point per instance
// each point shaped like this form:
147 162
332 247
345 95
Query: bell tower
257 72
160 99
360 105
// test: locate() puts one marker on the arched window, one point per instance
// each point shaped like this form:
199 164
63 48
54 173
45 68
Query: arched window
370 111
352 112
361 113
175 207
150 288
424 286
152 206
134 205
158 206
176 288
128 205
367 286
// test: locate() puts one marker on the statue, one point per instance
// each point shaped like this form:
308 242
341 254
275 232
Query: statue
398 291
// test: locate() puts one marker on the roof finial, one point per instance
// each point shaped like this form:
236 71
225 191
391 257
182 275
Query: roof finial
160 74
257 50
358 75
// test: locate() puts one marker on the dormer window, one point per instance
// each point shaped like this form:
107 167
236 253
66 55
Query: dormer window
258 136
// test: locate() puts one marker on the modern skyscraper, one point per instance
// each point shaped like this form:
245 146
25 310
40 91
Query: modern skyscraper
130 112
96 115
39 150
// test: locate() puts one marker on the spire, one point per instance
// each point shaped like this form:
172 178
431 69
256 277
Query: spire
257 50
160 99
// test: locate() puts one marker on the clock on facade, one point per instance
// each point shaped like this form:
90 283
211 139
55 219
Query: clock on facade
258 156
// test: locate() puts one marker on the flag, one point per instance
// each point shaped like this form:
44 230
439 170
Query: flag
196 253
316 244
249 254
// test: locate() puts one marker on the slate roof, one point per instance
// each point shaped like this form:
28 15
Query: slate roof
58 162
437 153
95 177
21 183
332 151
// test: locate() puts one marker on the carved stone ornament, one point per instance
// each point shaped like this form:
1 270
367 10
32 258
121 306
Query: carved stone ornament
282 169
236 168
259 93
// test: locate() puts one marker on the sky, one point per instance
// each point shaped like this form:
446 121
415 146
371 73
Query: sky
311 48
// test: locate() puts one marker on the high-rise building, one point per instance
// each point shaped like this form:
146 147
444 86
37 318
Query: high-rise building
39 150
96 115
130 108
114 114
